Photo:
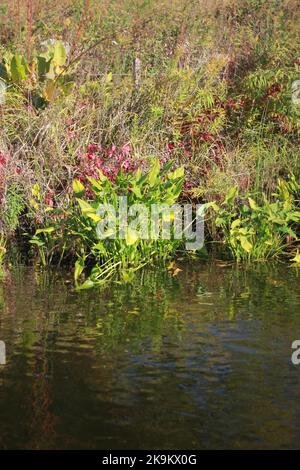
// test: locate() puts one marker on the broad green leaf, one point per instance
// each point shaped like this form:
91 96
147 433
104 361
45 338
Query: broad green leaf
45 230
252 204
93 216
78 187
244 231
153 173
277 220
86 285
102 177
85 207
178 173
295 216
51 71
137 175
17 68
235 223
60 55
296 259
96 183
246 245
131 236
231 195
136 191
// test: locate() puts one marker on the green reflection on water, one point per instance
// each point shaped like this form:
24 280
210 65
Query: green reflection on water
200 360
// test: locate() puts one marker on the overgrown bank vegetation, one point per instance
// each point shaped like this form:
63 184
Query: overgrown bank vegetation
97 85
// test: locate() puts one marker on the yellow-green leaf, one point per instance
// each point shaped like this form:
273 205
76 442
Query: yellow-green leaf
131 236
78 187
235 223
296 259
93 216
85 207
18 69
252 203
153 173
246 245
231 195
178 173
44 230
60 55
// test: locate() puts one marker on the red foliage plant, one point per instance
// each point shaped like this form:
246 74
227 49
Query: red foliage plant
109 161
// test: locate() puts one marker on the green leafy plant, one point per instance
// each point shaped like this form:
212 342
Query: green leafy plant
43 79
257 231
15 205
75 230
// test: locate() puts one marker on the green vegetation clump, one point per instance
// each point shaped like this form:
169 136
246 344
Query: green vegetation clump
254 230
89 227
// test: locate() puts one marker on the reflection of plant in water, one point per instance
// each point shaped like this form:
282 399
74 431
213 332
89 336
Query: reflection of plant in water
119 317
132 313
125 318
249 290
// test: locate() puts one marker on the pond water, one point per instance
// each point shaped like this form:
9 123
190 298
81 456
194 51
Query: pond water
197 361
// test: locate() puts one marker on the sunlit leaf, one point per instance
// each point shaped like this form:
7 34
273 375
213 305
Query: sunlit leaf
85 207
235 223
246 245
131 236
45 230
153 173
60 55
78 187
